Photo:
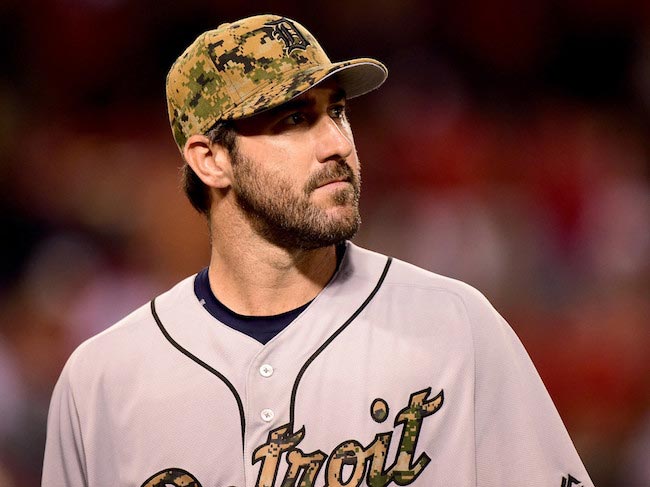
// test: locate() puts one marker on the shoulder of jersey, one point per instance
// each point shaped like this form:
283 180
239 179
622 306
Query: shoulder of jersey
404 274
131 333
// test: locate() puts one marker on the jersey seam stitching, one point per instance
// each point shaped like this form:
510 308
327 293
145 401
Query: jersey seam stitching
81 435
469 322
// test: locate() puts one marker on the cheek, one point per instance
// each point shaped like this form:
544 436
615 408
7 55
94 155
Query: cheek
293 164
280 155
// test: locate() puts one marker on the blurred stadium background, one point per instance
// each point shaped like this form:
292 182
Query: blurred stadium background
509 148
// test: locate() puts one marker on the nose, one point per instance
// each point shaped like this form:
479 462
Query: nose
333 140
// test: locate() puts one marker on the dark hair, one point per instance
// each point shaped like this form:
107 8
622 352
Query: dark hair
224 134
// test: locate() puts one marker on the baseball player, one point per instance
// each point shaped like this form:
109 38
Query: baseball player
296 358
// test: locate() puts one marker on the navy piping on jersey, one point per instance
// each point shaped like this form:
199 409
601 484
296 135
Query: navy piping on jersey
196 359
294 392
303 369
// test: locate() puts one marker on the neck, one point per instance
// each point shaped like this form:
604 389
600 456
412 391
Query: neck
252 276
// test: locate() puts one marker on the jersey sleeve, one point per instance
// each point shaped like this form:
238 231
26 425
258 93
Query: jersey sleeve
64 462
519 435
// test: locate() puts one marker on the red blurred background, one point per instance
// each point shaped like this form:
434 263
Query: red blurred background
509 148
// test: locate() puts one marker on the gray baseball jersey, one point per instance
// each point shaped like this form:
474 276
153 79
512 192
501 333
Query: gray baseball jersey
392 376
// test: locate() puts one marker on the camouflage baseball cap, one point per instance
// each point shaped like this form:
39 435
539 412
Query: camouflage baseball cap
245 67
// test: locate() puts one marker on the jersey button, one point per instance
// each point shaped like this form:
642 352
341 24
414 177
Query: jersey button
267 415
266 370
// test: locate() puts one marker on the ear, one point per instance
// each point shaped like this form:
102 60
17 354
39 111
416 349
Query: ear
210 162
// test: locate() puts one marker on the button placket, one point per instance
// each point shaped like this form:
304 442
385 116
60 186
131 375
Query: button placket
265 371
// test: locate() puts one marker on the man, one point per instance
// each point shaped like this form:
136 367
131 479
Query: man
297 358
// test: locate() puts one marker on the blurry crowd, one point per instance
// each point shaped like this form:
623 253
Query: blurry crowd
510 148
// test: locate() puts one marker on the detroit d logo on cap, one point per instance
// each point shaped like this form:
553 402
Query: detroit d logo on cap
286 31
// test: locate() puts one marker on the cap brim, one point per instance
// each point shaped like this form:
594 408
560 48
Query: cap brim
356 77
359 76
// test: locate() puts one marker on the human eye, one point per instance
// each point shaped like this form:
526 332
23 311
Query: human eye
337 111
295 118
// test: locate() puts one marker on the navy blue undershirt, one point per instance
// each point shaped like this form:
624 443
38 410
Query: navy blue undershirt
261 328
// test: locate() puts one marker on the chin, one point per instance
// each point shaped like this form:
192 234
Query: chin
342 213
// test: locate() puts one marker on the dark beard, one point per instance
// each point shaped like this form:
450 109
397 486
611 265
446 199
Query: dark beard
291 220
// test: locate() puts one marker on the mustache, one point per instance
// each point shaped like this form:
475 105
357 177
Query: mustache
340 171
